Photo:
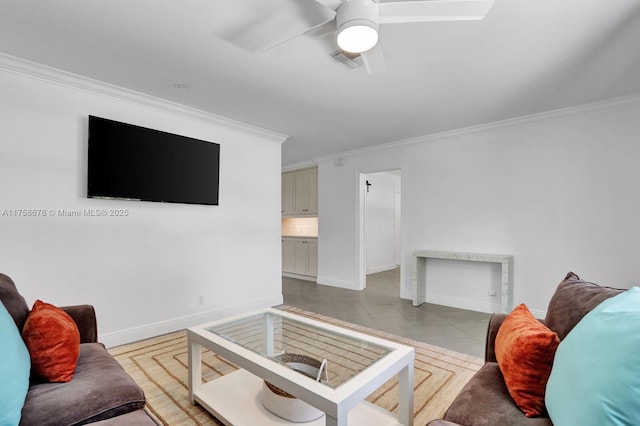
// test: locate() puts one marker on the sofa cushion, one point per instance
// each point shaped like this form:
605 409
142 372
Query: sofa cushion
53 340
100 389
572 300
525 349
134 418
14 370
596 376
13 301
485 401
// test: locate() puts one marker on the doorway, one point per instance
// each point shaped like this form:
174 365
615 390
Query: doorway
381 228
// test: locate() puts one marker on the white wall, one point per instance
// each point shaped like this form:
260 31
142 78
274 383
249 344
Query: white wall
144 273
559 191
380 217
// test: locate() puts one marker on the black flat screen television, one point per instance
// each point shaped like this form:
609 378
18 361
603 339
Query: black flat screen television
136 163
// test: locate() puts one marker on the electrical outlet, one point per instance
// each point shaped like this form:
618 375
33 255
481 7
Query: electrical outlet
201 299
492 292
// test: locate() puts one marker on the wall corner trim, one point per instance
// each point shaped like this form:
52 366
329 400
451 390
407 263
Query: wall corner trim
49 74
298 166
613 104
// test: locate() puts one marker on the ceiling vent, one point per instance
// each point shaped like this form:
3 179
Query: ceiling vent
352 60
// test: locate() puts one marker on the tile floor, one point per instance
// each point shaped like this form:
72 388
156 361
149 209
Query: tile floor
380 307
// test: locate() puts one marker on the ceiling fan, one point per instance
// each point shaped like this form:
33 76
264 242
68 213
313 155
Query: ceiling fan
356 23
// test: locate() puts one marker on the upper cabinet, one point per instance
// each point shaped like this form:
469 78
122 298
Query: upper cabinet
300 193
288 188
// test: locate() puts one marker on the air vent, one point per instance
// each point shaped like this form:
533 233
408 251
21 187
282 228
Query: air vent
352 60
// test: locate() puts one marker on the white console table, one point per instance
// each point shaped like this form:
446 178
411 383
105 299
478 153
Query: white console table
420 273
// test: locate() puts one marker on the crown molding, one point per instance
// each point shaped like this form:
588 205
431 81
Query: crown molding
298 166
15 65
631 101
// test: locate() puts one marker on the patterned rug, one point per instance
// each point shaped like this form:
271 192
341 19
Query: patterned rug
159 366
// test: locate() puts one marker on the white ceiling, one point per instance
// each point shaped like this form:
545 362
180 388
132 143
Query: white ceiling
526 56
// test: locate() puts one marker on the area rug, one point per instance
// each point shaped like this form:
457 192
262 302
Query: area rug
159 366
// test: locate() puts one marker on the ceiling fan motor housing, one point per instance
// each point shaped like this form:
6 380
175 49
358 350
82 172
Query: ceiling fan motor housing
365 11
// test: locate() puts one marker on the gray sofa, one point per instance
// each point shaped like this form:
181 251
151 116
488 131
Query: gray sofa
101 391
485 401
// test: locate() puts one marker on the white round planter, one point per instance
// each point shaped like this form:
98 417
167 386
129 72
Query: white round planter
288 406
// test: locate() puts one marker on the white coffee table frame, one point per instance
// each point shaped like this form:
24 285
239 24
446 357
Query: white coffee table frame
235 398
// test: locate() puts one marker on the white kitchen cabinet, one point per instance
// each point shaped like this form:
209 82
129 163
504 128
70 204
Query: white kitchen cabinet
312 258
288 255
288 188
300 257
300 193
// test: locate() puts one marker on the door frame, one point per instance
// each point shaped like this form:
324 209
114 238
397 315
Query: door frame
360 228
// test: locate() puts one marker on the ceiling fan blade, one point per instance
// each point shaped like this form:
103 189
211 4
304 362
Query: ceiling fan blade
433 10
282 25
374 60
301 41
331 4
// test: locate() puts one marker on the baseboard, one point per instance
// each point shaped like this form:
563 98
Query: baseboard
298 276
461 303
349 285
381 268
121 337
473 305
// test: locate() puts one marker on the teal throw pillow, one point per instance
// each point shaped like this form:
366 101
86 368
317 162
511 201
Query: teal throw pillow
595 379
15 366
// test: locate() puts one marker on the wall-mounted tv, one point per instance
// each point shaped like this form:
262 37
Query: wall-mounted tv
136 163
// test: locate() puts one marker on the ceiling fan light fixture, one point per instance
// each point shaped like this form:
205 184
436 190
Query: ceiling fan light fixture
357 36
357 25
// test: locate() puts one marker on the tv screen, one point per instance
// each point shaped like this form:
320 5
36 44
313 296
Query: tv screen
135 163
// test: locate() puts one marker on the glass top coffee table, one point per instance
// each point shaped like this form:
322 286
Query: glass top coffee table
270 345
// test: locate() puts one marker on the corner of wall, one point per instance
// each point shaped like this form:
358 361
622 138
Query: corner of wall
349 285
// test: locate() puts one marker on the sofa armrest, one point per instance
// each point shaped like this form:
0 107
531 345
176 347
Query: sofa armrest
85 318
495 322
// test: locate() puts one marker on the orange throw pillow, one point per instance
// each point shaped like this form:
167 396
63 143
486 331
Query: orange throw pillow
525 349
53 340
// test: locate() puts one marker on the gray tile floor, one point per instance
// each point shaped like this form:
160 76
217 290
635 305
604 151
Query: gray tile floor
379 306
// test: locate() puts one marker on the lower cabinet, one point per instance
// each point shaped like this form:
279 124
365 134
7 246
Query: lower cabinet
288 255
312 258
300 256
